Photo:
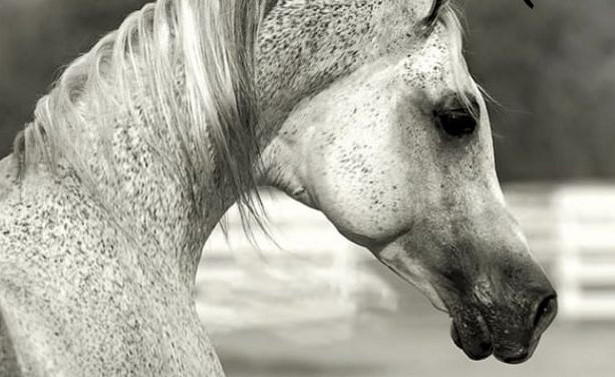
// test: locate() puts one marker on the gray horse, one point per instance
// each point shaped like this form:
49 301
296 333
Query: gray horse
362 109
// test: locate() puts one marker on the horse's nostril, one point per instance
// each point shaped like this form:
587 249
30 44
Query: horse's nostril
545 313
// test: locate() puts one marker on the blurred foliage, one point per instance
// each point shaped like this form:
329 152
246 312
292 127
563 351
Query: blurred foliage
551 71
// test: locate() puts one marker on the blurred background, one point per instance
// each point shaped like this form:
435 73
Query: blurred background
315 305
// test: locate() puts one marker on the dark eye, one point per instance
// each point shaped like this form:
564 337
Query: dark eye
457 117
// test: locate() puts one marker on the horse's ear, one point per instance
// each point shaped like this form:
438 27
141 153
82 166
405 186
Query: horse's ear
269 5
529 3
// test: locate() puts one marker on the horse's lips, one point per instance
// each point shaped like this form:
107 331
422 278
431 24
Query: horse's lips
483 347
475 349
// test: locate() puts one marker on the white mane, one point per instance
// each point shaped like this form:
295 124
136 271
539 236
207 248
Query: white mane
184 68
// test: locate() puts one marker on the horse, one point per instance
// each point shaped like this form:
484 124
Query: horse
362 109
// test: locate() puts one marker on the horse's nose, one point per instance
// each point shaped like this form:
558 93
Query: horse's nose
544 313
521 344
457 114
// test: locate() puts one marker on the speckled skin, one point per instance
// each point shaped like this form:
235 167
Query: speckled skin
363 145
346 92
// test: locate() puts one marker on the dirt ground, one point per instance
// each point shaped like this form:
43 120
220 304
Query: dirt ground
413 341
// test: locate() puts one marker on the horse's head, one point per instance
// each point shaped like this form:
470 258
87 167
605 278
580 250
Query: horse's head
377 123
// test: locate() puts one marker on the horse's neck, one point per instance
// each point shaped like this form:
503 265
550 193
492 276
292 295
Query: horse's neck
71 268
153 208
147 198
140 147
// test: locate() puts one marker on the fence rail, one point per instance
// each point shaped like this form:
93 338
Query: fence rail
571 229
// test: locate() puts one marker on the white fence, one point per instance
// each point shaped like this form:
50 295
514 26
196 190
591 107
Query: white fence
571 229
305 273
586 264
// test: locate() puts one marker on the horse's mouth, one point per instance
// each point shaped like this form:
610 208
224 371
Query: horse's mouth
476 341
473 338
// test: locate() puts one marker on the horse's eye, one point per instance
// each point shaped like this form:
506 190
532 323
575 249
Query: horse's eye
456 117
457 122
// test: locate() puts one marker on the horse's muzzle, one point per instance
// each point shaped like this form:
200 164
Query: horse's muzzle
517 352
512 338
